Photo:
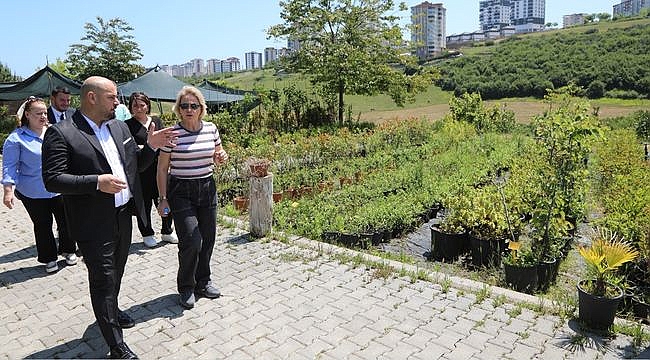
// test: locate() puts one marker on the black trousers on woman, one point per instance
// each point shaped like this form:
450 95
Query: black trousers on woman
43 212
193 204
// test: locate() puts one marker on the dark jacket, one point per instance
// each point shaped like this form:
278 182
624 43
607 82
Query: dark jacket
72 161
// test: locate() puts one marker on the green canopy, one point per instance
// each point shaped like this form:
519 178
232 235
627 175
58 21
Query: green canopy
40 84
161 86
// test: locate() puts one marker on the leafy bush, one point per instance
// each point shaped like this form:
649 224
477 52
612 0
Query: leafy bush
642 122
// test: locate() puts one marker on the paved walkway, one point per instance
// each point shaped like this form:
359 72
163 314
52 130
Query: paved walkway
293 299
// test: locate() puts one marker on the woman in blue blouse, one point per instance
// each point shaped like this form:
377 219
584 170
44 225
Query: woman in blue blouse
22 179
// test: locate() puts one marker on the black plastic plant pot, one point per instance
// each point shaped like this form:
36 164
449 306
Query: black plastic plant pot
597 312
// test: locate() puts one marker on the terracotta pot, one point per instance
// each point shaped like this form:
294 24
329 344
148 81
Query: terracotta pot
259 169
241 203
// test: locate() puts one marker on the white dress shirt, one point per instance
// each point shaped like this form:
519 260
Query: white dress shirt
113 157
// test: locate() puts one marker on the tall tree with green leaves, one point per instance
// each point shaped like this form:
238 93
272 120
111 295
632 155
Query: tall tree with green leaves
6 75
109 51
351 47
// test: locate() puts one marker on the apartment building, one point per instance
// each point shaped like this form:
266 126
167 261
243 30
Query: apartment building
270 55
573 20
253 60
630 7
495 14
429 29
528 15
524 15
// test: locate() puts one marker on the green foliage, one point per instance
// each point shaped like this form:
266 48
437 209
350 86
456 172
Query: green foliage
564 135
109 51
470 108
6 75
604 256
642 120
7 125
350 47
608 62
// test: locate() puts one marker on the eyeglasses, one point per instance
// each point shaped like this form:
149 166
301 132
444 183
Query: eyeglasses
186 106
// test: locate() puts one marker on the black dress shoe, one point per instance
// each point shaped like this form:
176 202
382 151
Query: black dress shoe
125 320
122 351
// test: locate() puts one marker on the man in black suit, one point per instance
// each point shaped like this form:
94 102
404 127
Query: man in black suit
59 108
94 163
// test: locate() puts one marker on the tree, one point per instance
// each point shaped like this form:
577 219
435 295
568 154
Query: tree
350 47
111 52
60 67
6 76
604 16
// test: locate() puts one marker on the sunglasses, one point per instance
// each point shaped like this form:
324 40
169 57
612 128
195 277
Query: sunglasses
186 106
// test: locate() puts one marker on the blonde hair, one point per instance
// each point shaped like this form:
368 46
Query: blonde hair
190 90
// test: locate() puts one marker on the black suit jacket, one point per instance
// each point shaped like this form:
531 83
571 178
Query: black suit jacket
148 176
72 161
68 115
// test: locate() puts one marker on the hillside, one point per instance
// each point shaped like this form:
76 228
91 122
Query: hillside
611 52
608 59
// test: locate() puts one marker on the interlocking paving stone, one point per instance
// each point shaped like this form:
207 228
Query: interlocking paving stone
280 300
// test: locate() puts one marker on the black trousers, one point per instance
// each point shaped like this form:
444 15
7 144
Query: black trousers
193 205
147 229
41 212
105 257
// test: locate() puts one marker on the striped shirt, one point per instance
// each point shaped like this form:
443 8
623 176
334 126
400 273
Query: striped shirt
192 158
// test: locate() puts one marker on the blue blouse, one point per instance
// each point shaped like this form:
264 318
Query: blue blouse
21 163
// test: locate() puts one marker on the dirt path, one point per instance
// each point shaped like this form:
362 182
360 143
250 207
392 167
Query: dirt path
524 111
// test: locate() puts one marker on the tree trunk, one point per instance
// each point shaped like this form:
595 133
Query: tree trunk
341 105
261 204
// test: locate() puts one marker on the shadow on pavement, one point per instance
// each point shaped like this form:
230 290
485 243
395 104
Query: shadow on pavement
22 274
22 254
90 346
584 338
239 239
165 306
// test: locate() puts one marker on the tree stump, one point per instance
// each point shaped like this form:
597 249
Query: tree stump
261 205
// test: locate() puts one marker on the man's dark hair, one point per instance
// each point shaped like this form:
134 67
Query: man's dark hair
60 89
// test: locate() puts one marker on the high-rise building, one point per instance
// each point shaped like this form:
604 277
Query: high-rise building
270 55
429 29
197 67
231 64
630 7
293 44
253 60
528 15
495 14
573 20
524 15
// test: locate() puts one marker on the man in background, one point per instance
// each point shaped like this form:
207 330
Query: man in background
59 108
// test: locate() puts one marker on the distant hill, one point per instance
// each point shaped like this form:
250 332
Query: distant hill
610 59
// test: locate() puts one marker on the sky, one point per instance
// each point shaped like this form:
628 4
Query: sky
169 33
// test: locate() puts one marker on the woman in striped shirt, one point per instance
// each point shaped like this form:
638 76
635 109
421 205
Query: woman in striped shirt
188 193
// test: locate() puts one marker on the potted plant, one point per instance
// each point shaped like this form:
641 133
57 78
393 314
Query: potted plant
598 297
258 167
520 268
449 238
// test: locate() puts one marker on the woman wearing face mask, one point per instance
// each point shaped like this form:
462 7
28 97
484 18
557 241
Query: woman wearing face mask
188 190
22 179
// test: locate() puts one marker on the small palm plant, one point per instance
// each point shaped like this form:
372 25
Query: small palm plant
607 253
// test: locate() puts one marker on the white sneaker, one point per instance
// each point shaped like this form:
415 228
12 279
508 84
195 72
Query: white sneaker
149 241
70 258
170 238
51 267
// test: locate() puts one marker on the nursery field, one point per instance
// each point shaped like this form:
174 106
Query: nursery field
514 200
